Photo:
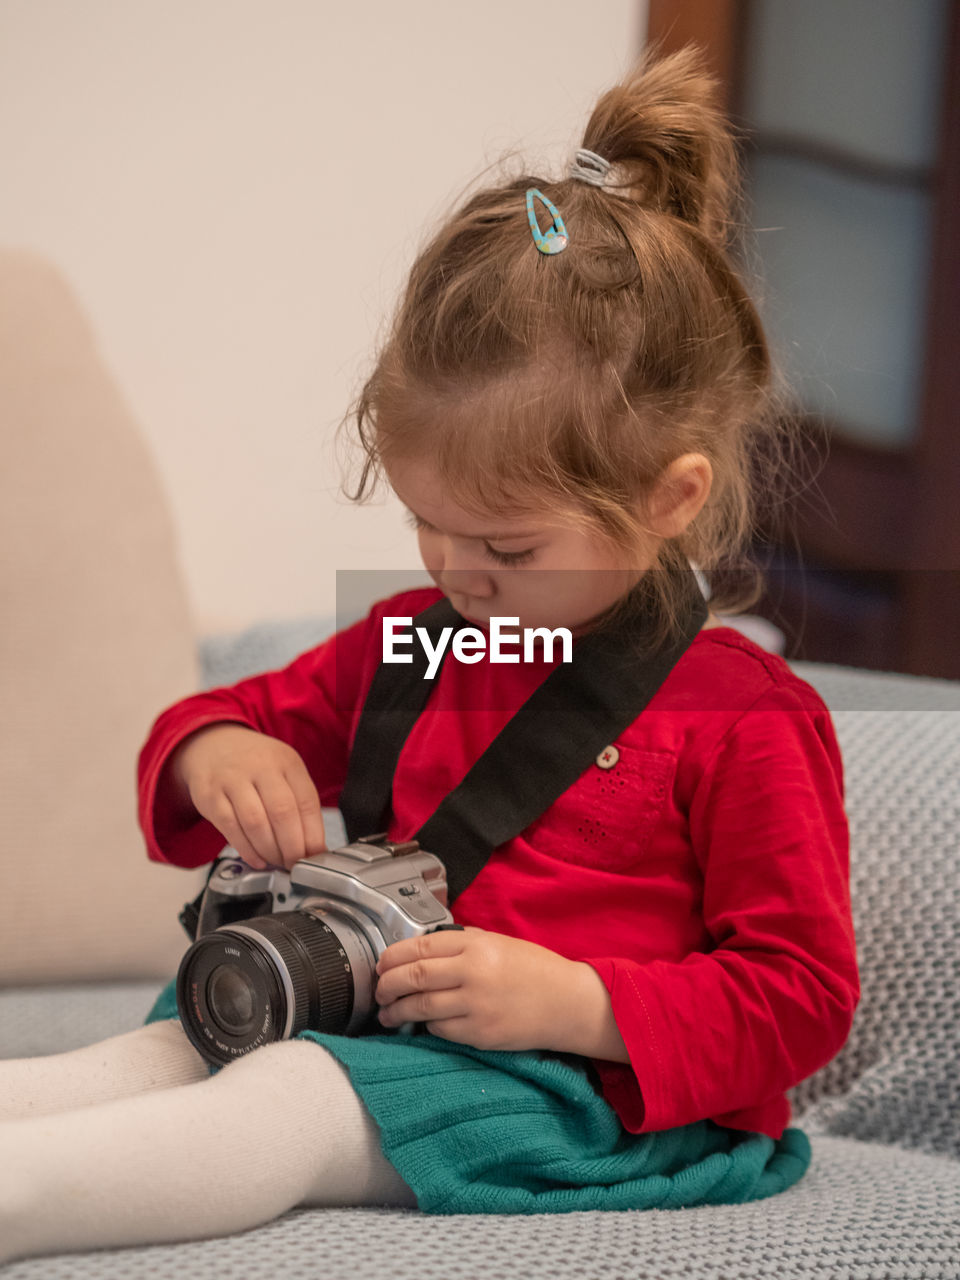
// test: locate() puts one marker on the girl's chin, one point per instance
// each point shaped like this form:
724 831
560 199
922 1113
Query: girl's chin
482 623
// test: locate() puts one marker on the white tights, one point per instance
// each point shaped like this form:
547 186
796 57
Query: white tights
131 1141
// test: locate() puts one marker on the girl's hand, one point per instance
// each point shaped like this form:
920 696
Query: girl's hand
255 790
480 988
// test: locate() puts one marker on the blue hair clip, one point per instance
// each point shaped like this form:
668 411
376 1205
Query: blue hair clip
555 238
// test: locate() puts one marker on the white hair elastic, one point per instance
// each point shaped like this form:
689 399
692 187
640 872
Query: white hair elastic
589 167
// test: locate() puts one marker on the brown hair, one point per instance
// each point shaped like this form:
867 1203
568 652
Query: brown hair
573 380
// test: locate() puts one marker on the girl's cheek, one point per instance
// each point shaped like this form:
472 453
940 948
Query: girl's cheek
430 551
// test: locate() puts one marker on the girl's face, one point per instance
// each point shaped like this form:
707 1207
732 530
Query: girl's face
538 568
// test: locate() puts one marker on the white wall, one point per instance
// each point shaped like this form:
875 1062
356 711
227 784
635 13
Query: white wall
234 189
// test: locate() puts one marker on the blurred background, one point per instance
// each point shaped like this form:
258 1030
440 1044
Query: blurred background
850 112
234 190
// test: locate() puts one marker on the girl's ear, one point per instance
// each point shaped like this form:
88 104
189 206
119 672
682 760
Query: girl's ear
679 494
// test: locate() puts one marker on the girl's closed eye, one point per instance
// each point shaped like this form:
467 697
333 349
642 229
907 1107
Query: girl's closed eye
507 557
501 557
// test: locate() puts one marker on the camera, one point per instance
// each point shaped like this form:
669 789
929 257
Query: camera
277 952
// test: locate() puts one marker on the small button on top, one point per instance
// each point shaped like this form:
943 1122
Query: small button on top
608 757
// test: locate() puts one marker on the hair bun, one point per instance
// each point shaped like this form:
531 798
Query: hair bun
672 146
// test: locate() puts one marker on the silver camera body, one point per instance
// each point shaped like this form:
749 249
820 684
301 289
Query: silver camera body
280 951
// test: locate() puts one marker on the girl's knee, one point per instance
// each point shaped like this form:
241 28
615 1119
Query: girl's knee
288 1061
168 1037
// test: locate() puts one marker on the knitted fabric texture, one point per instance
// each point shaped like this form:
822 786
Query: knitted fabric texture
480 1131
896 1079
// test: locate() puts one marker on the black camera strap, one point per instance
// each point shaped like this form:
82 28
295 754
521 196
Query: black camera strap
547 744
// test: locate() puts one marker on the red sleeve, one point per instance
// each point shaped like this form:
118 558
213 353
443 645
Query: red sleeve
309 704
720 1033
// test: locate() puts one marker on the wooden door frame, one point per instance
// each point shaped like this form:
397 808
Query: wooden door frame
718 26
900 505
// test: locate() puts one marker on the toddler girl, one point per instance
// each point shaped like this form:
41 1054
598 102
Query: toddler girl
569 405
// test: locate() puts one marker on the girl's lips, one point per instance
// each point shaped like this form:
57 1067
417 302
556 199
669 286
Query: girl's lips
468 617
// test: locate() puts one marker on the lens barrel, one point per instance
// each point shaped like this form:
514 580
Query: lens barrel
263 979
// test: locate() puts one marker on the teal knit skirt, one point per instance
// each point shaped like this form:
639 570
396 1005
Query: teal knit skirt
481 1131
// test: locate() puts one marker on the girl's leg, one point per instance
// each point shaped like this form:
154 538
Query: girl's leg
158 1056
278 1128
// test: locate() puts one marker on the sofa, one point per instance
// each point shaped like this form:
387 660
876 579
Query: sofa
90 936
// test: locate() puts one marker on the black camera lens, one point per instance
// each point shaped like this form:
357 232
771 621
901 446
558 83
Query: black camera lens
231 999
264 979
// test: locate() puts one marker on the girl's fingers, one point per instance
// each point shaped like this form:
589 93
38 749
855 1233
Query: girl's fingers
308 803
232 832
425 1006
421 975
220 814
252 826
269 823
283 817
445 942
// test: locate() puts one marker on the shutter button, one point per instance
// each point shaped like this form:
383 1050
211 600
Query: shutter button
608 757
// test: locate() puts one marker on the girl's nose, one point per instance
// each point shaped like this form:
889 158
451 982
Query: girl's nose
463 569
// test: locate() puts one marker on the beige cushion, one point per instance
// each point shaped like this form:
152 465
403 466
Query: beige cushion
96 639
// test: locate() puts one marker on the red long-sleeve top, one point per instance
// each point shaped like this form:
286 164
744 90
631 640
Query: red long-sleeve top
705 876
